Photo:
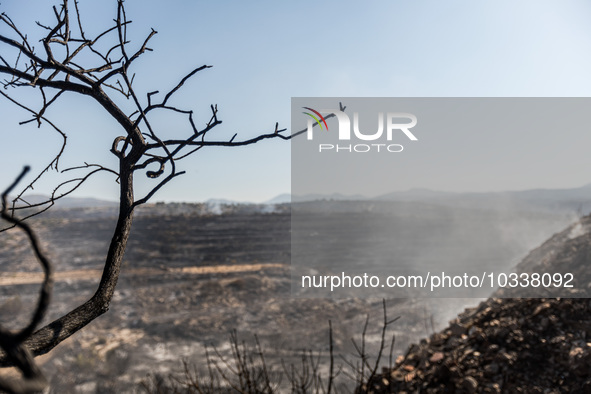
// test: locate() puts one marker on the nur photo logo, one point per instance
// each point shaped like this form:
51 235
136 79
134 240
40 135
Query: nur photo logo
390 125
315 118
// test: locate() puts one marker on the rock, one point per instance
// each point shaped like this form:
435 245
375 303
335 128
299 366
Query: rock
436 357
457 329
469 384
580 361
492 369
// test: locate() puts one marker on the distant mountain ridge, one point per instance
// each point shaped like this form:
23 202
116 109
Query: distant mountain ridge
574 199
68 202
578 199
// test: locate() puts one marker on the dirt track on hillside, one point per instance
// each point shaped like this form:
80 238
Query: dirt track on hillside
24 278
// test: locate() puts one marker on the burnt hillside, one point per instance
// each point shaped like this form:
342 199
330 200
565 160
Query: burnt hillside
528 345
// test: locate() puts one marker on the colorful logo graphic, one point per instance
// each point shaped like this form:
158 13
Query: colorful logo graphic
315 118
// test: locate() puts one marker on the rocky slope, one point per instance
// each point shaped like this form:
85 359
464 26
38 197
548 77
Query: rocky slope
527 345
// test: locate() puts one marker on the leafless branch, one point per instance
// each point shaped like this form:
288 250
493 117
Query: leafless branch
13 342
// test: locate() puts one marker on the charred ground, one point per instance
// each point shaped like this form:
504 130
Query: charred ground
191 277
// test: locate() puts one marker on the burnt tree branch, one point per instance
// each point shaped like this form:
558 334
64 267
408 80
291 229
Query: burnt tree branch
13 343
70 63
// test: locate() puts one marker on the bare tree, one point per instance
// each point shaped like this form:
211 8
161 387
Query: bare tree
71 62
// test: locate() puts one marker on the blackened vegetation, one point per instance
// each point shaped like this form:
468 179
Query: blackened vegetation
210 240
248 371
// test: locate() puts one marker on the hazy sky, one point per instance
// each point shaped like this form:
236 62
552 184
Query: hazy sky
266 52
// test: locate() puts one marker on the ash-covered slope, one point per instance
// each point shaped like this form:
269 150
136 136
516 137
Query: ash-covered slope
528 345
568 252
